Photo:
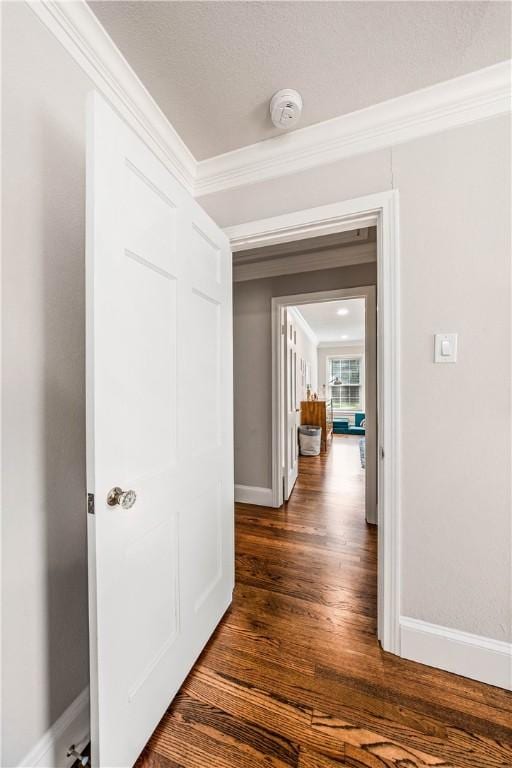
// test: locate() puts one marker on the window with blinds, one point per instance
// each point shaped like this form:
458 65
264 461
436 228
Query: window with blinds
345 383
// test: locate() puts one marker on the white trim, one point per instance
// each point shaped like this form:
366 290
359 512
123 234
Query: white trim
336 240
388 416
475 96
379 209
252 494
466 99
305 262
84 37
72 727
324 220
304 325
474 656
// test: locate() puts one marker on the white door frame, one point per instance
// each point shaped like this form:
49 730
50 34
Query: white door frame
279 448
381 210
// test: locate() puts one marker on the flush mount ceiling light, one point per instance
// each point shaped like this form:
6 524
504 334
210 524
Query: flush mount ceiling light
286 109
344 337
343 311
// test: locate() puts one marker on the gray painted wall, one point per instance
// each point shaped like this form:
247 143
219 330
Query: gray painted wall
455 207
44 575
252 364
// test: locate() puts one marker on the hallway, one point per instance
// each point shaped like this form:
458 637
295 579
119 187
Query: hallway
294 676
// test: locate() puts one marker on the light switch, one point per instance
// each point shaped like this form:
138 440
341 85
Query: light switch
445 348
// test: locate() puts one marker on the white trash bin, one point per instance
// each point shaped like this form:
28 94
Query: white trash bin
310 440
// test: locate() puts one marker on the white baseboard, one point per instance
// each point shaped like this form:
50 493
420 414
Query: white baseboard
72 727
252 494
474 656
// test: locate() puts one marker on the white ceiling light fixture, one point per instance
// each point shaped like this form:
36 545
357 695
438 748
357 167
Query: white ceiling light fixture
286 109
343 311
344 337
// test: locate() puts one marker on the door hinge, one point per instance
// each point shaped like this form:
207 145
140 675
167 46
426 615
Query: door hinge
382 452
90 503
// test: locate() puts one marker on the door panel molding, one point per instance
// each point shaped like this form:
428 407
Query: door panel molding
158 349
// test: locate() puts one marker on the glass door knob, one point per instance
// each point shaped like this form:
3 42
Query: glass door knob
125 499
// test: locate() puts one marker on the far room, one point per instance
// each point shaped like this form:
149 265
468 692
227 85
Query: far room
327 349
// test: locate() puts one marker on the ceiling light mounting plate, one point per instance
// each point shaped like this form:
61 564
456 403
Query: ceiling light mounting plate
286 109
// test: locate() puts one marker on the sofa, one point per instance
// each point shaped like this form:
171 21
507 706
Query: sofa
343 426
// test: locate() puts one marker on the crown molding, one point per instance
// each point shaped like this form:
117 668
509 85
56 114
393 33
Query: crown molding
322 220
303 324
475 96
316 244
82 35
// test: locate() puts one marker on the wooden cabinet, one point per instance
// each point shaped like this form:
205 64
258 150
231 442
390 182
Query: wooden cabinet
318 413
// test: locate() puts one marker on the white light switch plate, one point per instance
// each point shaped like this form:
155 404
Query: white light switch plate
445 352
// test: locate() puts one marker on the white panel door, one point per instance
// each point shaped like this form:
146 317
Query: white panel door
159 422
292 409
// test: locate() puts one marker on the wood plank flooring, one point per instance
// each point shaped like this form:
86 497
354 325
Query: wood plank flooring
294 676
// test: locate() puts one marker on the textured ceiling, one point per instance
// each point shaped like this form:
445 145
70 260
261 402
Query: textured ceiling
213 66
328 326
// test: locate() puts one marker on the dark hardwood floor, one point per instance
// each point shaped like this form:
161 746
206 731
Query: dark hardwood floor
294 676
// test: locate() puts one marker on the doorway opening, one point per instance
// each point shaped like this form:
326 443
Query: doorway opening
326 380
277 249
